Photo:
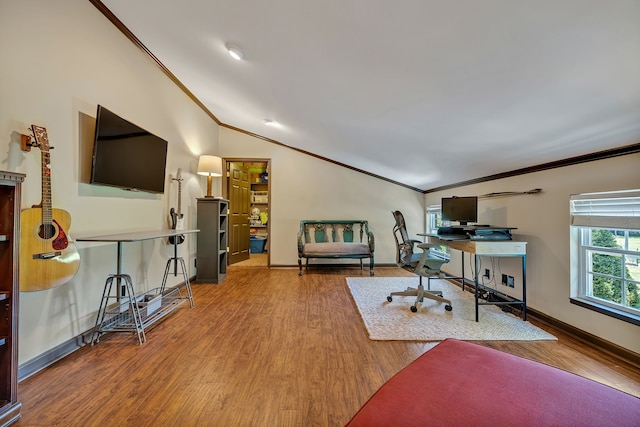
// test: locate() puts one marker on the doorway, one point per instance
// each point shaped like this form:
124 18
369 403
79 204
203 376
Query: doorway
247 186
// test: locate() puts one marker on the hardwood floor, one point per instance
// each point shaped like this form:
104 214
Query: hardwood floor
264 348
255 260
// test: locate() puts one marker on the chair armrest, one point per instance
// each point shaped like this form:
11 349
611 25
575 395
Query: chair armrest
409 245
429 265
300 243
371 241
427 245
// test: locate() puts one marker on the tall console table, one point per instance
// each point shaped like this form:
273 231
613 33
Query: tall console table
135 312
488 248
213 240
10 191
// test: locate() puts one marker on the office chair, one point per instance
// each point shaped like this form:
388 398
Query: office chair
423 264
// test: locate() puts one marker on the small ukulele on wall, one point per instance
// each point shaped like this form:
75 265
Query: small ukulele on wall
177 218
48 257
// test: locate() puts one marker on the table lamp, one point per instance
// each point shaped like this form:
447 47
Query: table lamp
210 166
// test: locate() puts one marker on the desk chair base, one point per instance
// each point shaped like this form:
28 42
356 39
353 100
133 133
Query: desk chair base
423 264
420 295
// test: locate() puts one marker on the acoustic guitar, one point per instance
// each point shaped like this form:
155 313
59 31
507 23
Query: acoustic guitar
177 218
48 257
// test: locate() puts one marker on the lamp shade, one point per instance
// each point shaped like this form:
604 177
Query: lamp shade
210 165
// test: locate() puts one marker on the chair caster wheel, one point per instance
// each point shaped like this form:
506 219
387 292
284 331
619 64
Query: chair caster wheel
414 309
448 307
389 299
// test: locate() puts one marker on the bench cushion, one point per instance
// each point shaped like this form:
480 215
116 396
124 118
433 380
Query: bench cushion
334 248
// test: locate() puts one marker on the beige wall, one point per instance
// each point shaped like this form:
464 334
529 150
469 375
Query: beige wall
59 60
543 222
304 187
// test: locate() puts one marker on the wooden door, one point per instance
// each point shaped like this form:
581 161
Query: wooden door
239 207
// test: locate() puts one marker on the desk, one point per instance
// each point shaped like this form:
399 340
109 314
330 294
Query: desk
493 248
128 315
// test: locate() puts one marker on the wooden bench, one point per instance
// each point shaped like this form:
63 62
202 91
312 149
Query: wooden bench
335 239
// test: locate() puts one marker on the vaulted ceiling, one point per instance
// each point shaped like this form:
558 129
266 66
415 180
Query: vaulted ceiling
426 93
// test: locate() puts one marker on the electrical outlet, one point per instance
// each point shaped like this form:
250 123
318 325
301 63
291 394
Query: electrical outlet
487 273
510 281
504 279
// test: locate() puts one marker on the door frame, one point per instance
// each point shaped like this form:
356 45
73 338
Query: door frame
225 190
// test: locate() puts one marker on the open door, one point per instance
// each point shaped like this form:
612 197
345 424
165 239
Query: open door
239 209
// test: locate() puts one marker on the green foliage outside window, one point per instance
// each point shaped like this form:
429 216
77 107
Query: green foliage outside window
608 271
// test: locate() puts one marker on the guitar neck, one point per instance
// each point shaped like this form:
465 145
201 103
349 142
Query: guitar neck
46 187
179 179
179 199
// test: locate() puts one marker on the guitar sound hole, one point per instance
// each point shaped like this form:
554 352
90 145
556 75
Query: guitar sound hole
47 231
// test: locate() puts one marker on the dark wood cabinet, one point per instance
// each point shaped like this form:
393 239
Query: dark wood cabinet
10 191
213 240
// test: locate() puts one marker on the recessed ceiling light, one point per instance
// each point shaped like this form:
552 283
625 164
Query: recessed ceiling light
235 52
269 122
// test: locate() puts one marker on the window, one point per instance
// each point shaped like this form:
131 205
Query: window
434 220
608 249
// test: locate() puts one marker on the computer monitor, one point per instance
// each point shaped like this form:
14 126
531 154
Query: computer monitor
461 209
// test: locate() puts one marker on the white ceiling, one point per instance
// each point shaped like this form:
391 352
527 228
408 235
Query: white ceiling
423 92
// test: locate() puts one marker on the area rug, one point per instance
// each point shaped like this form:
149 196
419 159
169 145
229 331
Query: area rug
389 321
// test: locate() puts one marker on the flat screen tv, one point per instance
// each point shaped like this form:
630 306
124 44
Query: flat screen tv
461 209
127 156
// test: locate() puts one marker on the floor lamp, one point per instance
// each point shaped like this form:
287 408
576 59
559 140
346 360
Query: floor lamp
209 166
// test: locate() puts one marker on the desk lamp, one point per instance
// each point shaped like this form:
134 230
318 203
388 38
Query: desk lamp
210 166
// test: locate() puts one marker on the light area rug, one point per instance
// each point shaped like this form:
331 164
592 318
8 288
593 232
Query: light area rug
389 321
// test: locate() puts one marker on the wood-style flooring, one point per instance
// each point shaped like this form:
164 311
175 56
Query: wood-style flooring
264 348
255 260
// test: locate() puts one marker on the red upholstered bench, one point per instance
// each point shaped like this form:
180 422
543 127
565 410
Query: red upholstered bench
463 384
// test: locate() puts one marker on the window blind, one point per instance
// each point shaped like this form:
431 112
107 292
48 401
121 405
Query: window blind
619 209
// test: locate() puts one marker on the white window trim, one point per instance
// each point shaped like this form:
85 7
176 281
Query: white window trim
432 211
609 210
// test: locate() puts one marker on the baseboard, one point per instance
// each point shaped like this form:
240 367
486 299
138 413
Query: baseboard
336 265
333 265
601 344
608 347
49 357
60 351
